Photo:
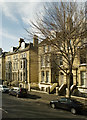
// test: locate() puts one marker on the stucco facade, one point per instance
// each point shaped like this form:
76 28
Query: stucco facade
79 72
48 73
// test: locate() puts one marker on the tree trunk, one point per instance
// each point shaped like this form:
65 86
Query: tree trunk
69 82
68 86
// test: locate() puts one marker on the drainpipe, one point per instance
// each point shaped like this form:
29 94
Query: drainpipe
29 71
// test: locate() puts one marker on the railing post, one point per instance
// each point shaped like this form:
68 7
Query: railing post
57 90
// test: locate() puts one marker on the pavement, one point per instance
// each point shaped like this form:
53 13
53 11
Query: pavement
44 97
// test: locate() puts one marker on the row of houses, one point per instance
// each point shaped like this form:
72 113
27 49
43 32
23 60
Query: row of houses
19 66
31 65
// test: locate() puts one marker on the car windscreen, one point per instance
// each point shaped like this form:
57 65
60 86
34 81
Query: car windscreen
63 100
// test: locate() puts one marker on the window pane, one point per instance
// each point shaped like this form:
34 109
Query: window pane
45 48
24 64
42 61
47 76
47 60
82 58
42 76
21 76
21 64
83 77
61 60
49 48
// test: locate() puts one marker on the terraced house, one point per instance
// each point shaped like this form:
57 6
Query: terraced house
21 64
50 77
79 66
79 71
48 73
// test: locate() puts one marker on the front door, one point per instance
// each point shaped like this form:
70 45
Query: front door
61 78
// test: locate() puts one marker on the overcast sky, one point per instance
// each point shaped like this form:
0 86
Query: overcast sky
15 15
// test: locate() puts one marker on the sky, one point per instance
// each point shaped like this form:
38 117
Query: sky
15 15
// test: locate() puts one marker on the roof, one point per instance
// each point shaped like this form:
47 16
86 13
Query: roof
45 41
18 49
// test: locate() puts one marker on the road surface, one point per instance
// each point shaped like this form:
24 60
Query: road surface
13 107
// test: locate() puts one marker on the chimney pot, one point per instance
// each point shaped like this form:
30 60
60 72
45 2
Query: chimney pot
20 41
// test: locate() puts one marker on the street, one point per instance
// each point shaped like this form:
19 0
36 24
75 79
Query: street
13 107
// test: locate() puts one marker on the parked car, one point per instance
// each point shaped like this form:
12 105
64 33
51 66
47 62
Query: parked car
18 92
68 104
4 89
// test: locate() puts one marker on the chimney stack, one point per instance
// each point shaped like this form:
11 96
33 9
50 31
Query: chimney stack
20 41
35 40
0 51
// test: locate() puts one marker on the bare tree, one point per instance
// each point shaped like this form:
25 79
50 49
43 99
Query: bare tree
67 20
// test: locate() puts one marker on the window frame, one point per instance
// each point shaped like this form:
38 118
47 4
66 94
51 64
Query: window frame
83 78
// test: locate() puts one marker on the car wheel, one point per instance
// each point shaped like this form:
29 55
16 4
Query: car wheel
53 105
73 110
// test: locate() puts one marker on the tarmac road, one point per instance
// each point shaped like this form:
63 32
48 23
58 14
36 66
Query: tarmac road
33 107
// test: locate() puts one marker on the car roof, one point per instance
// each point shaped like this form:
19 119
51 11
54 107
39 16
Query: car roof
22 88
15 87
2 85
73 99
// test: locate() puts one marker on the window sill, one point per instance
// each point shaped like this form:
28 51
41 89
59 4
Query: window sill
82 87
